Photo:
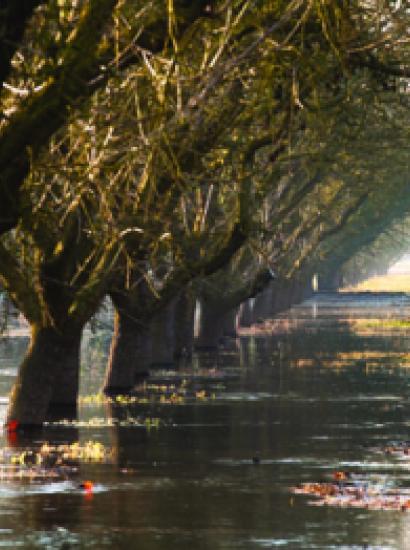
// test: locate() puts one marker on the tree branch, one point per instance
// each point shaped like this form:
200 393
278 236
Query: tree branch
17 285
14 16
42 114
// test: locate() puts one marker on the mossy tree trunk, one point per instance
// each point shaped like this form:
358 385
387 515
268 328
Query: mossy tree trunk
219 305
128 362
281 296
184 321
245 315
330 281
288 292
50 367
304 290
210 325
63 401
57 311
162 332
262 306
229 323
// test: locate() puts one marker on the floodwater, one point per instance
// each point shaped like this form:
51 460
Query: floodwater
208 459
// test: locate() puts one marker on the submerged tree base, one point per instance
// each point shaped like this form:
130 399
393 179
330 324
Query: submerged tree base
113 390
50 359
58 412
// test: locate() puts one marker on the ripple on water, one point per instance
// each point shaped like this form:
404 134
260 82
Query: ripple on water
363 397
58 537
250 461
319 464
244 396
362 426
301 543
277 542
55 487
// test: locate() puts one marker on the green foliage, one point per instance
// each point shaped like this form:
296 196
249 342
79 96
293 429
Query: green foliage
185 131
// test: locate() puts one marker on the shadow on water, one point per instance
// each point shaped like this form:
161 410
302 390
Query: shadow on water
205 458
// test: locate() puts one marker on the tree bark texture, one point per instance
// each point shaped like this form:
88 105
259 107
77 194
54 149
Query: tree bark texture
52 360
281 296
229 323
262 306
184 324
245 316
287 293
330 281
63 401
128 357
209 327
162 335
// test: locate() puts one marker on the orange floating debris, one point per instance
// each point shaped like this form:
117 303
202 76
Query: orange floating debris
340 476
88 486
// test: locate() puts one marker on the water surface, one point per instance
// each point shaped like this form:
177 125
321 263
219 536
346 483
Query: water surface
325 390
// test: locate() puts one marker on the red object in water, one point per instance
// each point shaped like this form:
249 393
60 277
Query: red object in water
12 426
13 439
88 486
341 476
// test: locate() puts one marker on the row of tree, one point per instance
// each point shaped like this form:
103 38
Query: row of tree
170 152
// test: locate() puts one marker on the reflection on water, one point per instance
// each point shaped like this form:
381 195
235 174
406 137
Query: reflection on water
315 395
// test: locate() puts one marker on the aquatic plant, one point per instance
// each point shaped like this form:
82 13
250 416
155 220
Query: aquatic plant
103 422
177 392
355 494
349 489
50 461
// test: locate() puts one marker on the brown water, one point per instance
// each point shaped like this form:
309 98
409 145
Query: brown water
322 394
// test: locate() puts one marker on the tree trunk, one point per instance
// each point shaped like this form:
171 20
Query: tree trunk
330 282
127 362
51 359
286 293
209 326
229 320
281 296
184 321
63 402
245 316
163 338
262 306
305 290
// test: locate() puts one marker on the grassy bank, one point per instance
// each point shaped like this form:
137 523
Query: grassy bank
398 282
